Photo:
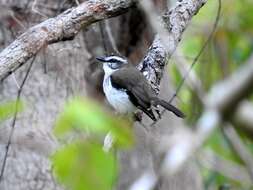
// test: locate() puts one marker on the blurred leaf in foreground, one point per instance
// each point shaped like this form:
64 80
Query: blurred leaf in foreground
85 166
86 115
9 108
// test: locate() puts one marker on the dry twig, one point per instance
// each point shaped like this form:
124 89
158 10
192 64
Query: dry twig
14 120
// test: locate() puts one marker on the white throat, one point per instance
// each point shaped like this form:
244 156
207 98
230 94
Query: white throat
108 70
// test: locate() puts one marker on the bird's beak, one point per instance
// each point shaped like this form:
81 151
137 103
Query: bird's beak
101 59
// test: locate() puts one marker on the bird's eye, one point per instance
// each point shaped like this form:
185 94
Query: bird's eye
115 65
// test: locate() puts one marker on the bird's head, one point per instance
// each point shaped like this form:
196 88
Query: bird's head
112 63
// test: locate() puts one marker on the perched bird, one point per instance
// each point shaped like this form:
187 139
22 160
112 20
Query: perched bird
127 90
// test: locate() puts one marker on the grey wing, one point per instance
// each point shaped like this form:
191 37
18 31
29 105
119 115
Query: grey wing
142 101
122 80
133 82
136 87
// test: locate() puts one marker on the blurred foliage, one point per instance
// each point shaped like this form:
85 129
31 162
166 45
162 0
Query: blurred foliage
8 109
83 164
231 46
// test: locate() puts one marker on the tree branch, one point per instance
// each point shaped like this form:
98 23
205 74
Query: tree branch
176 21
63 27
220 102
240 148
215 162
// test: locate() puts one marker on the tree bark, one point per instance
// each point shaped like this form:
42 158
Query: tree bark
59 73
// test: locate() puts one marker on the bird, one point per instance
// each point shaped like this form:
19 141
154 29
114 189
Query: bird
127 90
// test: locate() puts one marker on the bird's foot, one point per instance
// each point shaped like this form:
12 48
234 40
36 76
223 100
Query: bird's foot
158 112
138 116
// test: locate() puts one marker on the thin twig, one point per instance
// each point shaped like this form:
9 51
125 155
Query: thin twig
77 2
103 37
107 38
193 81
14 119
15 80
200 52
110 37
17 20
34 9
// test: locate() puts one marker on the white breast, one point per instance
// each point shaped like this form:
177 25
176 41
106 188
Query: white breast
117 98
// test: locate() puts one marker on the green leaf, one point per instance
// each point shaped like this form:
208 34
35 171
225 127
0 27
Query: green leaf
86 115
85 166
9 108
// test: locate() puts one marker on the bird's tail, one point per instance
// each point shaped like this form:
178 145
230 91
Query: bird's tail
168 107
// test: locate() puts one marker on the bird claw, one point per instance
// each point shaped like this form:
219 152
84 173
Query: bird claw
158 113
138 116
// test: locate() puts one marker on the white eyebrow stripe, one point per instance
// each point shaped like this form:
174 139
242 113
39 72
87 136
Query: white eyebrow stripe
117 58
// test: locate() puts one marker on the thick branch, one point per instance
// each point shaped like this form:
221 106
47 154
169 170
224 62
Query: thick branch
176 21
63 27
152 66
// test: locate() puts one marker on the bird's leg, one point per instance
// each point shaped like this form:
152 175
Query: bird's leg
157 110
138 116
156 107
